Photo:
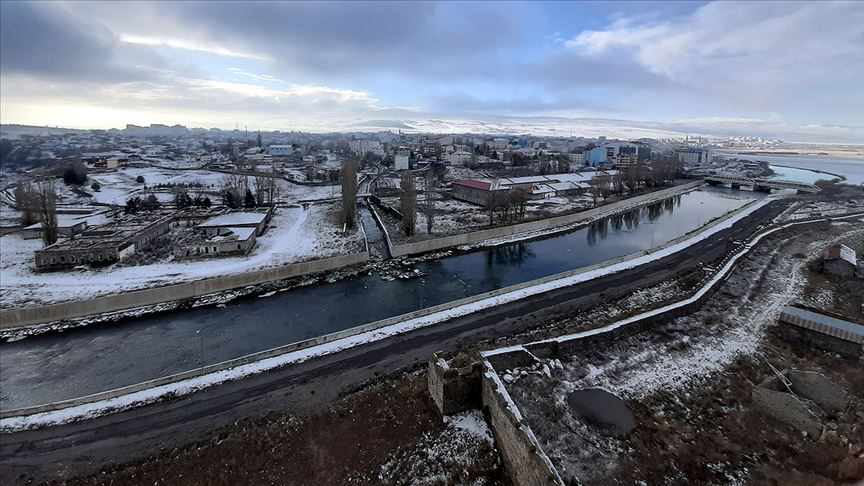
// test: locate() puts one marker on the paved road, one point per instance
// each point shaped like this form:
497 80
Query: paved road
83 447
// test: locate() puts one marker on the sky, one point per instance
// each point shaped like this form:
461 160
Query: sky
793 70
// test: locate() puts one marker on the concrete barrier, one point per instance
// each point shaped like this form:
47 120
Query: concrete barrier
475 237
28 316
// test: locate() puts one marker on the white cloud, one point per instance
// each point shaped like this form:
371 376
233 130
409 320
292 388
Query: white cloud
763 37
190 45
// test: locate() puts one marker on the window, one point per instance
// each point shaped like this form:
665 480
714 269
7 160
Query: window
238 246
62 259
100 257
72 259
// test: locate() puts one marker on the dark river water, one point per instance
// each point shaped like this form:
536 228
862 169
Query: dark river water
92 359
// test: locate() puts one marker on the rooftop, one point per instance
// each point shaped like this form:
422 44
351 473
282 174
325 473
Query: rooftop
831 326
238 218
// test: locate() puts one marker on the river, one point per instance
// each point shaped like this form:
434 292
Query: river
801 168
87 360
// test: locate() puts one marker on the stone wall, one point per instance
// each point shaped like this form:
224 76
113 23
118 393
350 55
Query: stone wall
812 395
454 389
784 407
522 455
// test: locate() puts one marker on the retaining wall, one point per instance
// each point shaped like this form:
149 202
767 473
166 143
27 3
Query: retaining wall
522 455
424 246
28 316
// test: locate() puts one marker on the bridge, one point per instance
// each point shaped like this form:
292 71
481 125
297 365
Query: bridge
760 183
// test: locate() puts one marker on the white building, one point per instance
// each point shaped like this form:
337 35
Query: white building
403 154
498 143
459 158
361 147
694 157
577 159
280 150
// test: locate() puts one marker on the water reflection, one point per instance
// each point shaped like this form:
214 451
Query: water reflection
509 255
631 219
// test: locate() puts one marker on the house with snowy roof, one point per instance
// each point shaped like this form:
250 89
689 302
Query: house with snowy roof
232 233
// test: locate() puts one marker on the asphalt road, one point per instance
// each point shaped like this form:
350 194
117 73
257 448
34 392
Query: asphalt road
84 447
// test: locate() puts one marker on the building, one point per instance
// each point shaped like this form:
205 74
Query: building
577 158
537 187
459 158
403 156
108 243
807 327
477 192
596 156
644 152
361 147
626 159
65 227
694 157
498 143
232 233
237 219
839 260
280 150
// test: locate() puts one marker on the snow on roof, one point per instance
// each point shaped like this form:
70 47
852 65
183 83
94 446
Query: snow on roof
238 218
62 222
566 186
243 233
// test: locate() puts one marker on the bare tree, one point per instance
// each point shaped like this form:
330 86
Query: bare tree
429 200
408 203
27 201
261 191
47 198
234 187
349 192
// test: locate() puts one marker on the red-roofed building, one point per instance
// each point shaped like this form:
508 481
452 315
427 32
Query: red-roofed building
476 192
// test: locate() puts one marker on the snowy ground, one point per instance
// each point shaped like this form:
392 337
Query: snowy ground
457 455
673 359
294 235
827 208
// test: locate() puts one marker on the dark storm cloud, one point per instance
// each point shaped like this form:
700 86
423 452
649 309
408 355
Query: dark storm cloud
336 38
36 39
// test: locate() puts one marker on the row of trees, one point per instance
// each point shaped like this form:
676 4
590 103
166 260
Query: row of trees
137 204
38 204
243 191
408 201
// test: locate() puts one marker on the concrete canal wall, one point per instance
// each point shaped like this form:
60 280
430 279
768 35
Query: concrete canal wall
28 316
475 237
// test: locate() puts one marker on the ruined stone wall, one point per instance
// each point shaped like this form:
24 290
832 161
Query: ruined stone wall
454 390
523 458
784 407
816 387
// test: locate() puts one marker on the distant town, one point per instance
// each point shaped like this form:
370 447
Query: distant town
557 300
157 194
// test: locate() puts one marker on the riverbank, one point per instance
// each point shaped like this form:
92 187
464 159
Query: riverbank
210 375
534 229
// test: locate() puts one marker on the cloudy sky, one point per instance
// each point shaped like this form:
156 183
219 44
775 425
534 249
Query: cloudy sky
794 69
